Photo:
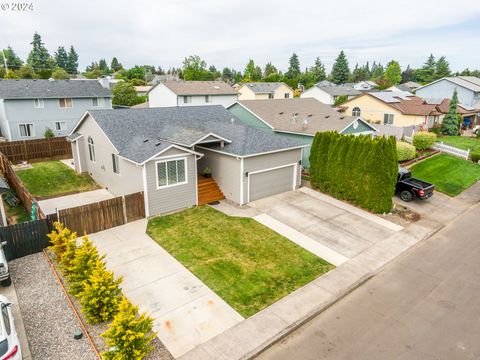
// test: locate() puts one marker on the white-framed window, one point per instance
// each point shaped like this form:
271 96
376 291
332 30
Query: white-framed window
171 172
65 103
60 125
356 111
388 119
287 95
91 149
98 102
115 167
38 103
26 130
187 99
208 98
270 96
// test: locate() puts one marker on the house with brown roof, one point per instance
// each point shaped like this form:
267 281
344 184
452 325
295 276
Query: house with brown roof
298 119
191 93
399 108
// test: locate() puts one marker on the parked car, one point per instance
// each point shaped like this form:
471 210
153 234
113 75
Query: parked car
9 342
410 188
5 279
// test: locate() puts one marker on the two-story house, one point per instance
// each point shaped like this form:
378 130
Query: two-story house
191 93
468 89
264 90
29 107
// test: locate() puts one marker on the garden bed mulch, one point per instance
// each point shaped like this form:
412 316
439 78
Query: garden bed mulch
95 331
401 215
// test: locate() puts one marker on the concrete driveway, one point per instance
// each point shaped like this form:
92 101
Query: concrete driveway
186 311
333 230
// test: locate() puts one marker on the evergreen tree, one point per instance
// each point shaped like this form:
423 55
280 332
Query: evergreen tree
26 72
59 74
340 70
427 73
293 68
102 65
13 61
442 68
377 72
450 121
269 69
72 62
407 74
39 56
393 74
61 57
227 75
116 66
252 72
318 71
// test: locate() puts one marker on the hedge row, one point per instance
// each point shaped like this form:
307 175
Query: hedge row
359 169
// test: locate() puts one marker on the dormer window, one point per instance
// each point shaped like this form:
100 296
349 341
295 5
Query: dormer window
38 103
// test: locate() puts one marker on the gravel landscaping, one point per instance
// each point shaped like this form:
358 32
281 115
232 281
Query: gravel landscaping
49 320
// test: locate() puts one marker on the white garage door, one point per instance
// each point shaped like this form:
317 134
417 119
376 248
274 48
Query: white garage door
271 182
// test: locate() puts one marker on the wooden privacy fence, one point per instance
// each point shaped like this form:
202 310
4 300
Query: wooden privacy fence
103 215
26 238
39 149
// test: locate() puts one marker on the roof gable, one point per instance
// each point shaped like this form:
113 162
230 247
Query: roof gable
199 87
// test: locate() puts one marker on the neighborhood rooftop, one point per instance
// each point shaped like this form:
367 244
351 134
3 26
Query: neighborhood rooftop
337 90
305 115
469 82
139 134
199 87
40 88
263 87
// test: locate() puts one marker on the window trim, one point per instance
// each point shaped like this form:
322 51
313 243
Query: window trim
32 133
91 149
100 102
208 99
356 113
61 122
41 103
187 99
388 115
71 102
184 158
286 95
115 164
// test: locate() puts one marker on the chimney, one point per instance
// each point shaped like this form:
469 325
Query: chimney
105 82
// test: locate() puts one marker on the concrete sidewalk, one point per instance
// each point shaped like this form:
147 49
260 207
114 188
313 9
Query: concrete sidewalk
50 206
250 337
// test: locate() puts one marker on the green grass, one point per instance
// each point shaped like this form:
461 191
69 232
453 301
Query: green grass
245 263
16 214
54 178
449 174
462 142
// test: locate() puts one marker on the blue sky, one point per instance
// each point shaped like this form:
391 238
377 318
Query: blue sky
227 33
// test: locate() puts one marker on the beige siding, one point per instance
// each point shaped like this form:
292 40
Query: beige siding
172 198
225 171
281 91
130 178
273 160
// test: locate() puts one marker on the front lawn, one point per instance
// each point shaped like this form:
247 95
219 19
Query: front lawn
244 262
54 178
449 174
462 142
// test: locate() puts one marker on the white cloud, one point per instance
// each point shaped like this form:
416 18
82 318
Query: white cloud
227 33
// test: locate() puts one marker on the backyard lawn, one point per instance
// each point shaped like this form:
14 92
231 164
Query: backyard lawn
245 263
449 174
462 142
54 178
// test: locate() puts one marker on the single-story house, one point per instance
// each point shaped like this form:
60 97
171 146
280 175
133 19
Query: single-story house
298 119
400 109
162 151
28 107
328 92
191 93
364 85
264 90
409 86
468 89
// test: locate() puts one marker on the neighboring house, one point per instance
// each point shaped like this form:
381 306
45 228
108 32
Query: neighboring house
400 132
161 78
265 90
142 90
328 92
364 85
191 93
399 109
29 107
468 89
161 151
409 86
297 119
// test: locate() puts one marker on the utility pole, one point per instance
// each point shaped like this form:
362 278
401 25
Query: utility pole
5 61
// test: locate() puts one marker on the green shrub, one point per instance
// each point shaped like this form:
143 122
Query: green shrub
59 238
478 134
100 295
436 129
405 151
48 134
423 140
475 156
128 335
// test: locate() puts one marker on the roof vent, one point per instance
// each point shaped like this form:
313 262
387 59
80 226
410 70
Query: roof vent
51 79
342 117
158 143
145 140
232 120
310 115
327 116
216 87
280 113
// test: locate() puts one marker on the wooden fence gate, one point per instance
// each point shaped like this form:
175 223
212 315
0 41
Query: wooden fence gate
25 238
103 215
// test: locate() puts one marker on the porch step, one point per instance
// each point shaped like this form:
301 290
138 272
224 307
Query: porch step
208 191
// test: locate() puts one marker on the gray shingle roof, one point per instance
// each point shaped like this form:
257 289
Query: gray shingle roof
337 90
139 134
263 87
199 87
39 88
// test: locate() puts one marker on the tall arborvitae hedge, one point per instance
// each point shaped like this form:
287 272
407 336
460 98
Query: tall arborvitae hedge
355 168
